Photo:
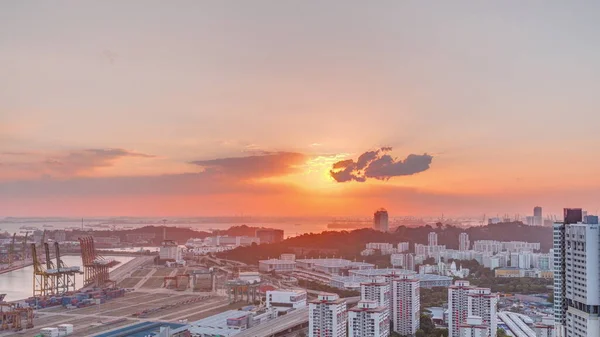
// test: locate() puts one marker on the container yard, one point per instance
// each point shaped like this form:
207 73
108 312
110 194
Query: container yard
132 308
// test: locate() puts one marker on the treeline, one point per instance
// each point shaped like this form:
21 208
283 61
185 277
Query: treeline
177 234
311 285
521 285
350 244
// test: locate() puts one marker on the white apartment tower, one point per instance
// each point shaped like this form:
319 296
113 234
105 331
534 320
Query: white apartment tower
474 327
405 304
368 319
463 242
380 220
432 239
379 292
577 275
458 306
483 303
327 316
410 262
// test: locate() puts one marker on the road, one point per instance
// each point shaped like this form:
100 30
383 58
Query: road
283 323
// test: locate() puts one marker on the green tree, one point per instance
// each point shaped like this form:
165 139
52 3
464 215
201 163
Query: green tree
426 324
501 333
420 333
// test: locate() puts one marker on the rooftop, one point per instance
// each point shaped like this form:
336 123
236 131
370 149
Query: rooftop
277 261
219 320
381 272
432 277
143 329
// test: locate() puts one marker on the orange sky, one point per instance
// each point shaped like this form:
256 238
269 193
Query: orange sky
223 109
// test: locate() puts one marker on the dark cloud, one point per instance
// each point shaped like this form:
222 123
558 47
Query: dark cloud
378 164
267 164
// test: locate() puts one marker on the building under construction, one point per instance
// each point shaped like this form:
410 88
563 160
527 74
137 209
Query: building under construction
53 277
95 267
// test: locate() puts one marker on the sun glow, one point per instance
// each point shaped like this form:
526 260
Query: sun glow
313 174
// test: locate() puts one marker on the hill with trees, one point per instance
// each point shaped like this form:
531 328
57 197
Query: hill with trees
349 244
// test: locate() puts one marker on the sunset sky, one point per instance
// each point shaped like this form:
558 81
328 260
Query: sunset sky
191 108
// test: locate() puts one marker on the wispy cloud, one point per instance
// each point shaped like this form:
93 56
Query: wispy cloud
65 164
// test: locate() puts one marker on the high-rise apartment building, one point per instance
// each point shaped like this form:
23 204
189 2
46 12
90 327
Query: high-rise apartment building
403 247
463 242
410 262
483 303
474 327
405 304
327 316
380 220
432 239
368 319
458 306
577 276
538 220
378 291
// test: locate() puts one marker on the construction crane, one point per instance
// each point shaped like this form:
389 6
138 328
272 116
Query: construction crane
11 250
24 250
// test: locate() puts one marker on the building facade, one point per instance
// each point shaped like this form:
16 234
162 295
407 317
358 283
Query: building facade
380 220
286 299
368 319
483 303
577 276
463 242
458 306
379 292
432 239
405 304
278 266
327 316
474 327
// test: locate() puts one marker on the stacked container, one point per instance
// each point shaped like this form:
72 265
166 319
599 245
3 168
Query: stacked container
49 332
65 329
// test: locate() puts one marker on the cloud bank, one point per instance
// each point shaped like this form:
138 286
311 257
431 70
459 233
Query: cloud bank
378 164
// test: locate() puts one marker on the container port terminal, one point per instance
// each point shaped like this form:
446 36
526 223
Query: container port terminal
139 291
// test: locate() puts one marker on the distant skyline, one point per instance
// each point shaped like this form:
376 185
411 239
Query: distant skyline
271 108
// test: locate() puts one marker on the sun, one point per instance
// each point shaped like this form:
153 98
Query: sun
313 174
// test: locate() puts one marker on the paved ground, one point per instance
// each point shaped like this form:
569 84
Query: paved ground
167 306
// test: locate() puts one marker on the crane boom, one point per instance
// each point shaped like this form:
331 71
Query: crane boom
49 263
25 246
11 250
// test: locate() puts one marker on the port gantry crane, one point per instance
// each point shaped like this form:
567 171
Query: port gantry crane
24 249
54 279
65 276
11 251
42 282
95 267
11 317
